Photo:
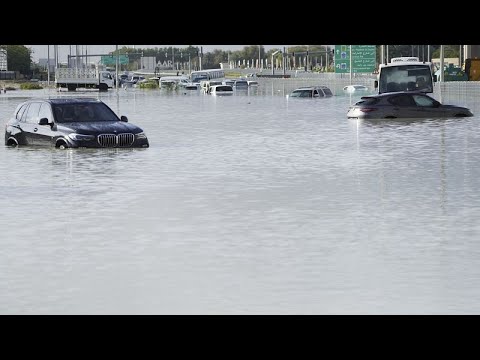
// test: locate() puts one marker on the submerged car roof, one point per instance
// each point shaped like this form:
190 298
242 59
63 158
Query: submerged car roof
67 100
386 94
312 87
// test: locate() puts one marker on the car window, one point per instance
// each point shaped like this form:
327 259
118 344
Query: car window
84 112
32 112
424 101
20 112
327 92
45 112
367 101
302 93
24 115
402 100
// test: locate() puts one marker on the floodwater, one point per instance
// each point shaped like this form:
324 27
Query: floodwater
245 204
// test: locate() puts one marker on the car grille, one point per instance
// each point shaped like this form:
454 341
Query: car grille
112 140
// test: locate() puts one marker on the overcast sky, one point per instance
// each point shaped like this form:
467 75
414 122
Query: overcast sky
41 51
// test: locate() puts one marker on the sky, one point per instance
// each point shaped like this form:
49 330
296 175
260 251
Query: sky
41 51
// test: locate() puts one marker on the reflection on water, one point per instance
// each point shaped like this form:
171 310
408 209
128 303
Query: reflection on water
252 203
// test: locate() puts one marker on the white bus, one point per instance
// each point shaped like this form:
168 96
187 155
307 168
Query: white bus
210 74
405 74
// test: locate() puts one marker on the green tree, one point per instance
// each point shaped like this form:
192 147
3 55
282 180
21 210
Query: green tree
449 51
19 58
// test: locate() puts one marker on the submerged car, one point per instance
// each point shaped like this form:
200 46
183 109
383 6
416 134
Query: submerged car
220 90
403 105
354 88
71 123
312 92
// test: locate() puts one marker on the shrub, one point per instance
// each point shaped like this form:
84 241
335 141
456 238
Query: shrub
30 86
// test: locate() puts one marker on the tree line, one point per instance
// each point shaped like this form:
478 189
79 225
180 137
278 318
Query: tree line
19 57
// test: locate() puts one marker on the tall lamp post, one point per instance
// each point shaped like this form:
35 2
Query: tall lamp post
259 59
273 68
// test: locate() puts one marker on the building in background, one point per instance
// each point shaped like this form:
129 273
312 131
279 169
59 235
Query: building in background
3 60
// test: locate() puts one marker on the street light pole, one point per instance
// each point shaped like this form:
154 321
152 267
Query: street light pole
351 64
259 58
48 65
116 68
273 68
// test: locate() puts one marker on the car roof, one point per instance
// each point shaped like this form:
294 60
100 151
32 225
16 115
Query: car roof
65 100
311 88
388 94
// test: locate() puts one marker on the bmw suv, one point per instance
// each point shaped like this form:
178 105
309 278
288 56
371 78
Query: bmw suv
71 123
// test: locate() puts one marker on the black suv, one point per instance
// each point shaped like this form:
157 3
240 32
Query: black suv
71 123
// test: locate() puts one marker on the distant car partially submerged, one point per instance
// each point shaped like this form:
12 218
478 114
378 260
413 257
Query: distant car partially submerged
220 90
71 123
403 105
311 92
355 88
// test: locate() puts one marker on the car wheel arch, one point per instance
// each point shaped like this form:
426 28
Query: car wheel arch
11 141
61 143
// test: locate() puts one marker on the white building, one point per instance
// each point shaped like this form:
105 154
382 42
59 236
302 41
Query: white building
3 60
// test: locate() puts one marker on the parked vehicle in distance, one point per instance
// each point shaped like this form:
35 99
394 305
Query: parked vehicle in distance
73 78
173 82
230 82
122 78
240 84
355 88
71 123
205 85
312 92
220 90
403 105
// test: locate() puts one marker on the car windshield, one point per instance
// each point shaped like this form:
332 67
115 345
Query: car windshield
83 112
302 93
327 92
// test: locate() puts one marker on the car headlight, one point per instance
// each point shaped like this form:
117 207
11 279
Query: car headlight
81 137
141 135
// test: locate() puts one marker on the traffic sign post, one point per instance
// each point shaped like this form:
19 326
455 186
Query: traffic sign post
111 60
363 58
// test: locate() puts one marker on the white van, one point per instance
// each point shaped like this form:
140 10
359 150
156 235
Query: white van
207 84
221 90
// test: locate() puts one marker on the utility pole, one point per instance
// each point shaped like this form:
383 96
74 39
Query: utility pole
116 67
48 65
259 58
351 56
326 58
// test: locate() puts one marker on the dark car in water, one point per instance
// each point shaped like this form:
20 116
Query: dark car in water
71 123
403 105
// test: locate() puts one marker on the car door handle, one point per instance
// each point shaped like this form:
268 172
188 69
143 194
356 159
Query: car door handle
36 129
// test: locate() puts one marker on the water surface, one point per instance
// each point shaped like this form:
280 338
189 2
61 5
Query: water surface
246 204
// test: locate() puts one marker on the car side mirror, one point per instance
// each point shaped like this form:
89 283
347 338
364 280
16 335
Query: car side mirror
43 121
375 84
123 118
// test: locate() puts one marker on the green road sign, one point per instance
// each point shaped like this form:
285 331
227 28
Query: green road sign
364 59
111 60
